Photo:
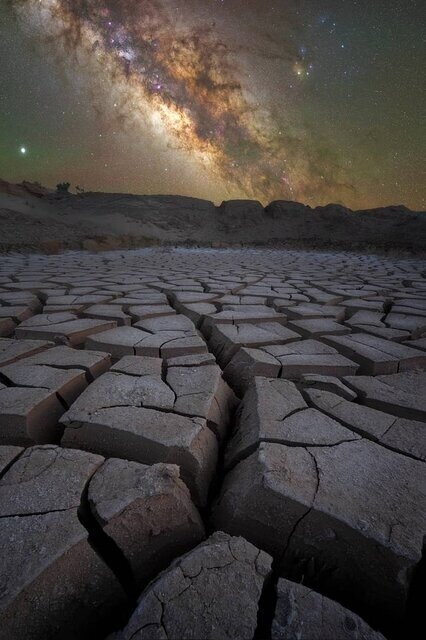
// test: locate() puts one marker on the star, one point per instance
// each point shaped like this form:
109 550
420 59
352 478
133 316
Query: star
207 90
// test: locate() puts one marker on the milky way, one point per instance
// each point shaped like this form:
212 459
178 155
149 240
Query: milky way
185 82
188 79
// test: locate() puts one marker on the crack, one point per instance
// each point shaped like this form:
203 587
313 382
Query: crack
172 411
67 367
164 372
291 413
107 549
10 464
6 381
52 323
304 515
392 526
387 308
266 606
114 406
303 445
131 374
304 391
219 408
37 513
154 626
62 401
415 614
162 625
150 331
26 455
385 433
191 393
317 473
233 555
250 449
368 436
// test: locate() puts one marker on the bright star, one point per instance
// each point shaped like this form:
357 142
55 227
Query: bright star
23 150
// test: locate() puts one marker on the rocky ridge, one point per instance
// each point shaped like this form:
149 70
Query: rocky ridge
34 219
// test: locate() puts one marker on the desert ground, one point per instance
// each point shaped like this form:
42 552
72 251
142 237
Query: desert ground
202 443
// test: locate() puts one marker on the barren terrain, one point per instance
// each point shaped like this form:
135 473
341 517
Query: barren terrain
35 219
218 444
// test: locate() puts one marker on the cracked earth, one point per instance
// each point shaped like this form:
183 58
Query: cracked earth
212 444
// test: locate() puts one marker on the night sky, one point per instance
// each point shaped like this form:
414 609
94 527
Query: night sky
316 101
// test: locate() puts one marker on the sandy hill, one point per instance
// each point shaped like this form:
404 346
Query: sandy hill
35 218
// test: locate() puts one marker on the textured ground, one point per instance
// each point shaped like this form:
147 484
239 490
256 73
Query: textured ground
212 444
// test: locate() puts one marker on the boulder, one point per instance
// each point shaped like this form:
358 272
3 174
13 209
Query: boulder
132 417
405 436
211 592
354 510
275 411
306 615
13 350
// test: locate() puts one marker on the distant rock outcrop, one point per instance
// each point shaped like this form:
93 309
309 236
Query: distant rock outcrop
394 226
24 189
109 220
